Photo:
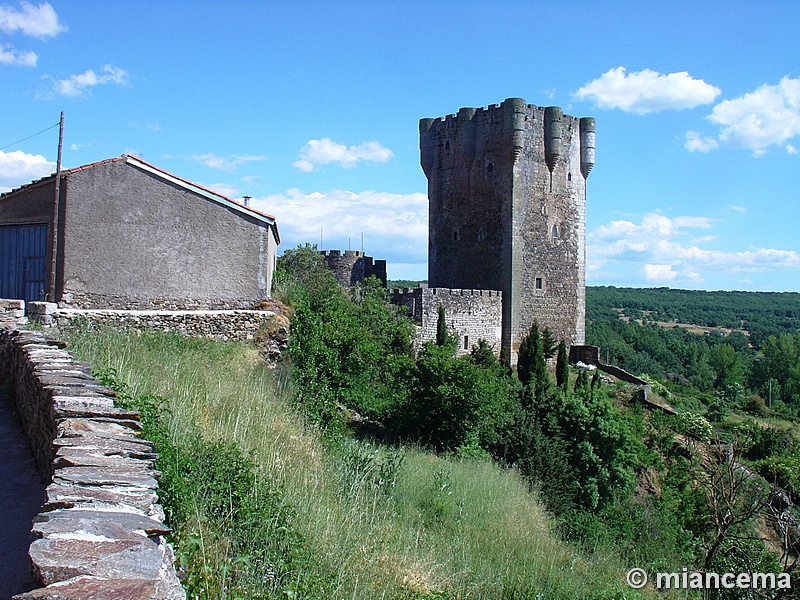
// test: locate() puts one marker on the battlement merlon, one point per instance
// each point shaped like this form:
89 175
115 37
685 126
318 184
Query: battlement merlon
399 292
515 115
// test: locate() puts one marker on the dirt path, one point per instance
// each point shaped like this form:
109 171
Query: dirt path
21 496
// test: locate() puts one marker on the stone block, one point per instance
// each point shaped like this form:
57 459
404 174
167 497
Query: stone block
8 305
41 308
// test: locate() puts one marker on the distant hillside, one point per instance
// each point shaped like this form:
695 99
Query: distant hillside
760 314
404 283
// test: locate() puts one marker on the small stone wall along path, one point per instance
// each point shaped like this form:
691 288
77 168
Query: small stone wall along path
99 532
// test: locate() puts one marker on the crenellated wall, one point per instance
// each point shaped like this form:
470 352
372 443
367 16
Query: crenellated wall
100 532
352 267
470 314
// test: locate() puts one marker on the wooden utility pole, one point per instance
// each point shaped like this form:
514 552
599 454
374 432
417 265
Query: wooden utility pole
52 294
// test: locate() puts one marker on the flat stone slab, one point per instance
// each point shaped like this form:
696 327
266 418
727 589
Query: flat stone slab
84 400
97 427
75 453
98 588
79 496
87 390
104 477
61 559
87 440
120 463
96 524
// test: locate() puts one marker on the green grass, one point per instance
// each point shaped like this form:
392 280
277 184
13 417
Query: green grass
359 521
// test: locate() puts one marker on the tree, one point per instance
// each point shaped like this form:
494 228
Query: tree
452 401
483 355
531 362
582 382
442 336
562 365
549 344
736 497
727 364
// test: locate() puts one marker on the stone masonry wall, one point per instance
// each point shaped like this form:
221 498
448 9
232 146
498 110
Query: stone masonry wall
470 314
217 324
100 533
352 267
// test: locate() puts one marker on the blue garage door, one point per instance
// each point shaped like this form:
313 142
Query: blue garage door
23 262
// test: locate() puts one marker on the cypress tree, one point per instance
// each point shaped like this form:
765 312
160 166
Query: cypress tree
562 366
441 328
582 382
526 354
549 345
531 361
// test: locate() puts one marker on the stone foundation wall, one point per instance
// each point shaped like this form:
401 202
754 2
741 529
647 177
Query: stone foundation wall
216 324
76 300
100 532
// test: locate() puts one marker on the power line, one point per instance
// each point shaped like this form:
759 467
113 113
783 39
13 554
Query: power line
31 136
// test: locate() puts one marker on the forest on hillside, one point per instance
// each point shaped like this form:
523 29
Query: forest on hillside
709 341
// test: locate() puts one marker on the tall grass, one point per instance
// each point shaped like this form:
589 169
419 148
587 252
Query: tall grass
374 521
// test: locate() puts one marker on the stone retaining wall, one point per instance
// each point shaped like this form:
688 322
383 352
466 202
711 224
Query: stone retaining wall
100 532
217 324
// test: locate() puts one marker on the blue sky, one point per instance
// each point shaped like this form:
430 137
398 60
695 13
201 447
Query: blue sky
312 108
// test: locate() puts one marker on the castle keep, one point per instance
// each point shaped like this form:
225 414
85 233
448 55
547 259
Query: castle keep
507 200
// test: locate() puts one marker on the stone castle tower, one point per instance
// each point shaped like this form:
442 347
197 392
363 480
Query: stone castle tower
507 205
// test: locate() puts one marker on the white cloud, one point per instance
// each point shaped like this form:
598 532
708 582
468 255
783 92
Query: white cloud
395 226
229 191
658 273
769 116
225 163
35 21
17 58
325 151
656 245
695 142
18 168
81 84
647 91
739 209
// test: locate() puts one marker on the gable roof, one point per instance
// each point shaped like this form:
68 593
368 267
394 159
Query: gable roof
195 188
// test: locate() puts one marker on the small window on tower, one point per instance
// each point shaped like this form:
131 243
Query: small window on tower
466 342
490 167
456 235
538 283
569 176
447 145
554 232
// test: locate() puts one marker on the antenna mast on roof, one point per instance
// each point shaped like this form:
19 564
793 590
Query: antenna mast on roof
52 294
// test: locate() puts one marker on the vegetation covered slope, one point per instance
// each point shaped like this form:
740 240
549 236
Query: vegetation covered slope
367 467
265 506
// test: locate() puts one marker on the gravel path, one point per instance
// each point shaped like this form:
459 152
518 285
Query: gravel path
21 496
